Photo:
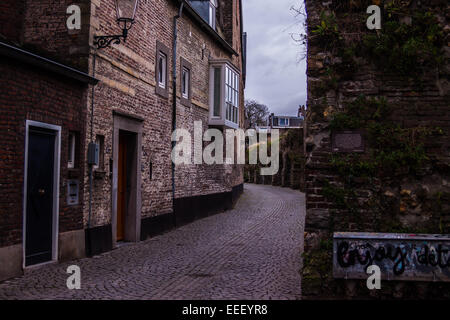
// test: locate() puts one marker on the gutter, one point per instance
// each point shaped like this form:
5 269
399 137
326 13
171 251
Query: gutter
44 63
206 27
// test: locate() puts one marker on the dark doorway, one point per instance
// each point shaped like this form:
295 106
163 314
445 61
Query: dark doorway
40 196
126 202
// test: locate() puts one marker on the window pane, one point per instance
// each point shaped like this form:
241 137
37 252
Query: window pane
162 70
185 83
217 86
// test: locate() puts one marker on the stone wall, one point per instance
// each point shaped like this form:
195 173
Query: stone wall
291 160
393 85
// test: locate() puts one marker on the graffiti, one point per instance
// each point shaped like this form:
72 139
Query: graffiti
405 257
347 256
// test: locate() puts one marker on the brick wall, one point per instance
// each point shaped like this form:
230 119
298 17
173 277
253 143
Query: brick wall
127 74
396 202
11 16
45 31
27 93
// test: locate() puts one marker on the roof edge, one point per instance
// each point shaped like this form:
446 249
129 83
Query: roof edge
44 63
206 27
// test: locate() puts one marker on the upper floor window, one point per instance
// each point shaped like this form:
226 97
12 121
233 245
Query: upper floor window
212 13
206 9
186 82
224 94
161 69
283 122
232 94
162 65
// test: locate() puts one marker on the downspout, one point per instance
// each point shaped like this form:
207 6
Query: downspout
91 187
174 99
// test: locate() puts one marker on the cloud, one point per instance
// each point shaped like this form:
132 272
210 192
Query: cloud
274 76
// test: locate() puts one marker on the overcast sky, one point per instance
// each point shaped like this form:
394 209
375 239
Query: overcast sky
275 75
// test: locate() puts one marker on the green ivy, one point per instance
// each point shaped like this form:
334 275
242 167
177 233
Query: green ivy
327 30
407 49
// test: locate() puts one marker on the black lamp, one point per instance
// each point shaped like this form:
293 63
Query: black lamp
126 11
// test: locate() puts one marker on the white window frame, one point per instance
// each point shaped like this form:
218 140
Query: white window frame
162 70
212 13
229 95
286 122
71 156
185 82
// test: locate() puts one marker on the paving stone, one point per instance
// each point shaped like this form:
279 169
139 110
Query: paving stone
250 252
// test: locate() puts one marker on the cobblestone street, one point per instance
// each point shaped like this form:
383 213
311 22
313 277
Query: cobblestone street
251 252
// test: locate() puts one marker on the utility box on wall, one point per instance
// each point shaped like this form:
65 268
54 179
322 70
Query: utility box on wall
73 189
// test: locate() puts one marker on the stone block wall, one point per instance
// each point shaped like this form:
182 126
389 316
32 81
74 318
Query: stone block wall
361 79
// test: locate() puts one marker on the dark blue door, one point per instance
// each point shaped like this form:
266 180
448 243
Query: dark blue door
40 177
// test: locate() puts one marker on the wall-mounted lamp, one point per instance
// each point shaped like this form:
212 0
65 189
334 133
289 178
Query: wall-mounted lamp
126 11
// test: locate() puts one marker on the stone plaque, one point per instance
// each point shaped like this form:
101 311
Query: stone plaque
348 141
406 257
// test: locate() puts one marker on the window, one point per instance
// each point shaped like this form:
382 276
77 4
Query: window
217 91
232 95
161 70
71 152
224 94
283 122
162 65
186 82
100 141
212 13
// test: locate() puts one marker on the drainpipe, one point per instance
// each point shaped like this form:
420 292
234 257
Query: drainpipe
91 187
174 98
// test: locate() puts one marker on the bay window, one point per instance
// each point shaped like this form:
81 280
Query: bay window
224 95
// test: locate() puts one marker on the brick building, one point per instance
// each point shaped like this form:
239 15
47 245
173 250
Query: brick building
42 110
133 196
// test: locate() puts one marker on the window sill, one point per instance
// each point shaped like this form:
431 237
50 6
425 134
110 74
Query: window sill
162 92
223 124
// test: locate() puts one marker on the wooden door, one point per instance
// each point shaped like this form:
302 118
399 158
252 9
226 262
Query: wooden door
122 187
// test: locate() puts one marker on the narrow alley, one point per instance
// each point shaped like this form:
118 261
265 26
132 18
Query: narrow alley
250 252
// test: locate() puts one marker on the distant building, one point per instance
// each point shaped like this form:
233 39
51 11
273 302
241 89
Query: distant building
284 122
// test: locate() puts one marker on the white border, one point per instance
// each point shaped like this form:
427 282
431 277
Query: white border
56 172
